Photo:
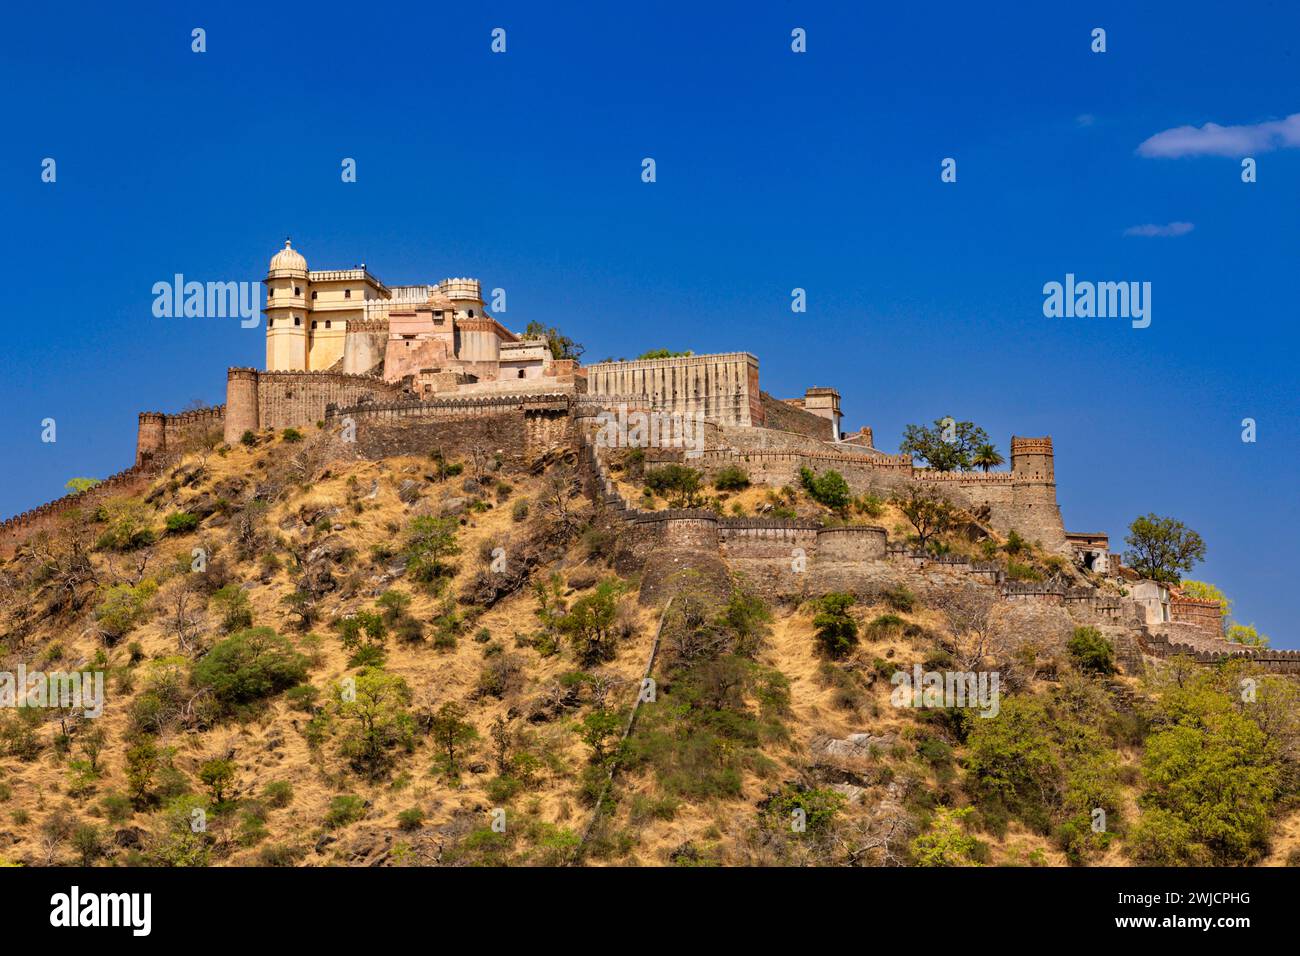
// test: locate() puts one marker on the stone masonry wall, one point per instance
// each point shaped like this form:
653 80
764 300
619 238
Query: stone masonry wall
786 417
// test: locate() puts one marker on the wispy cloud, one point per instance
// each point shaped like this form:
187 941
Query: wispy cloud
1085 119
1215 140
1152 229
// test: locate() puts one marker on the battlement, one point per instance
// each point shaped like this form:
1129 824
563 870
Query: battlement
1031 446
682 361
461 288
158 433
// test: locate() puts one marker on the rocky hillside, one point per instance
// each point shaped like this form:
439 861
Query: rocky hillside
310 660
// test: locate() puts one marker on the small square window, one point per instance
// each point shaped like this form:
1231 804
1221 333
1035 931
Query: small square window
297 290
297 321
347 293
314 293
327 323
313 323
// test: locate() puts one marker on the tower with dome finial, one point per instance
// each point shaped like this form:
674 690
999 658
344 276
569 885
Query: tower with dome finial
286 281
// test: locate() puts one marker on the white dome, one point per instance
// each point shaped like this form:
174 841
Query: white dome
288 259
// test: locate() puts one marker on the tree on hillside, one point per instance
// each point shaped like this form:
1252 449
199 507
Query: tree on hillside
1248 635
948 445
929 512
562 347
987 456
1204 591
78 485
1162 548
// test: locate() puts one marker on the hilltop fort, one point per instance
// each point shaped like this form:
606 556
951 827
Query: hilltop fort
399 369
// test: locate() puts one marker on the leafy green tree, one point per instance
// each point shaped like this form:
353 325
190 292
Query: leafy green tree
233 608
829 488
78 485
1210 788
126 523
561 346
946 446
180 522
815 809
1091 651
452 732
1203 591
250 665
590 623
429 542
598 730
373 712
731 478
1247 635
1013 762
663 354
678 483
217 775
929 512
945 842
123 607
89 841
1162 548
141 765
837 631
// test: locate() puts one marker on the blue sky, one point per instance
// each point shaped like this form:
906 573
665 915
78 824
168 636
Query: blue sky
775 170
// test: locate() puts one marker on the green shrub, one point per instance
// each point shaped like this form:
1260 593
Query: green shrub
731 478
1091 651
291 435
945 842
870 505
829 488
233 608
519 510
250 665
410 819
901 599
123 607
278 793
126 525
248 439
837 631
679 484
179 522
1023 572
429 541
344 810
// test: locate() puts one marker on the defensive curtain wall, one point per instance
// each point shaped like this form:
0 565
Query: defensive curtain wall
792 560
723 388
783 560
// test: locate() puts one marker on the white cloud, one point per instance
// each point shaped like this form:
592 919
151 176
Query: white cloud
1085 119
1151 229
1215 140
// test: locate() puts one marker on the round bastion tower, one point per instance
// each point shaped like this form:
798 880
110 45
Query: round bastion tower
476 338
1032 459
286 311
